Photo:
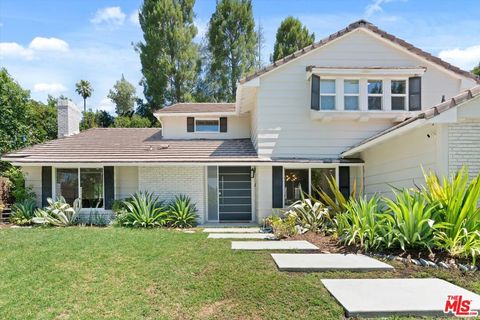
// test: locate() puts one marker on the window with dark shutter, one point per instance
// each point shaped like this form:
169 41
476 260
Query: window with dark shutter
315 93
277 187
344 181
109 186
190 124
415 94
223 124
46 185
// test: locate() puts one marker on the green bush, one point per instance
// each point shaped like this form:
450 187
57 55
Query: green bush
311 215
59 213
282 227
23 212
144 210
182 213
18 189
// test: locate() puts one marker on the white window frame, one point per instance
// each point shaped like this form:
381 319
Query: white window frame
405 95
334 95
352 94
54 191
381 95
206 119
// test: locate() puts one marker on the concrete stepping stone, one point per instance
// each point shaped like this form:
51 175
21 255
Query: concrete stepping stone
273 245
232 230
327 262
389 297
265 236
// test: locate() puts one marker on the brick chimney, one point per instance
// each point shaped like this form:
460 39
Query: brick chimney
68 118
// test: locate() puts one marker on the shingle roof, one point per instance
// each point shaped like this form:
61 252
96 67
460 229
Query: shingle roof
119 145
351 27
427 114
197 108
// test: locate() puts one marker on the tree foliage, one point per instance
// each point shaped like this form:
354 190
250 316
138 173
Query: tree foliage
232 45
168 54
97 119
291 36
123 95
476 70
85 90
134 121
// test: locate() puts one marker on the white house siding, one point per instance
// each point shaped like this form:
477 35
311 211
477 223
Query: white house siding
169 181
398 162
238 127
263 192
284 127
33 179
464 146
126 181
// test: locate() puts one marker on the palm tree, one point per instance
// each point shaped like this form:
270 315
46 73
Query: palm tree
84 88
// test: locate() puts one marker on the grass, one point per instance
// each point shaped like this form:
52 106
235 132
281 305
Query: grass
86 273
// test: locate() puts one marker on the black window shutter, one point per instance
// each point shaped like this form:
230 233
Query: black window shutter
277 187
46 185
415 93
190 124
315 93
344 181
108 182
223 124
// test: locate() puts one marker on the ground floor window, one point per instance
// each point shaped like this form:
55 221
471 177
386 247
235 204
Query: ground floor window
308 180
319 181
83 183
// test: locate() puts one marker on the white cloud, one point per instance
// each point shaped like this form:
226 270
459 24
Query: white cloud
13 49
133 18
202 27
109 16
374 7
466 59
107 105
48 44
53 88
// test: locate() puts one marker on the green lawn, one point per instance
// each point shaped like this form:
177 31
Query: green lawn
87 273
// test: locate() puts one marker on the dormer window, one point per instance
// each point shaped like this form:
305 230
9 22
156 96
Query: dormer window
399 94
327 94
375 94
207 125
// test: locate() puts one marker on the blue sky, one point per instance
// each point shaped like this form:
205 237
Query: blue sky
49 45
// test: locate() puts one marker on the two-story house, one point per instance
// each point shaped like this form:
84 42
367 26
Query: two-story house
359 105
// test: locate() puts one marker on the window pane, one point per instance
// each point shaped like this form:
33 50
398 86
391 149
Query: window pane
320 181
398 103
67 184
206 126
375 86
91 182
327 86
327 102
351 86
399 86
351 103
374 103
296 182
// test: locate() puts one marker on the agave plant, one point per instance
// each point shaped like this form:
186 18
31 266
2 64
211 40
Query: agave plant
23 212
143 209
311 215
182 213
335 199
58 213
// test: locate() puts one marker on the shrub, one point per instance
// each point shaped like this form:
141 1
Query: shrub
23 212
282 227
182 213
59 213
334 199
311 215
18 189
143 209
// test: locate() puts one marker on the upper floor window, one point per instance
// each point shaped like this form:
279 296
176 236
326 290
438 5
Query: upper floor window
351 90
399 94
375 94
327 94
204 125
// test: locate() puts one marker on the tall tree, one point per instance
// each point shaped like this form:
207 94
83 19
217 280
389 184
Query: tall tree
232 45
476 70
123 95
84 89
260 45
291 36
168 54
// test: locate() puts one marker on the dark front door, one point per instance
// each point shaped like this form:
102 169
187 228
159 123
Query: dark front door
234 194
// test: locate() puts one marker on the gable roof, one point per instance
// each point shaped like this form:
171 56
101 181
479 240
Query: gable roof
353 26
133 145
430 113
209 107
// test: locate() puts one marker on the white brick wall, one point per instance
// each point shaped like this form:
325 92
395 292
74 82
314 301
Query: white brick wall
167 182
464 146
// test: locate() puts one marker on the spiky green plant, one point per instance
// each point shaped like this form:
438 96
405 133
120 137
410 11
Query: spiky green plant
311 215
23 212
58 213
334 198
144 209
182 212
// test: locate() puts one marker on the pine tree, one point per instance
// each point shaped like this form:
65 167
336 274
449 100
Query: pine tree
291 36
168 54
232 45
